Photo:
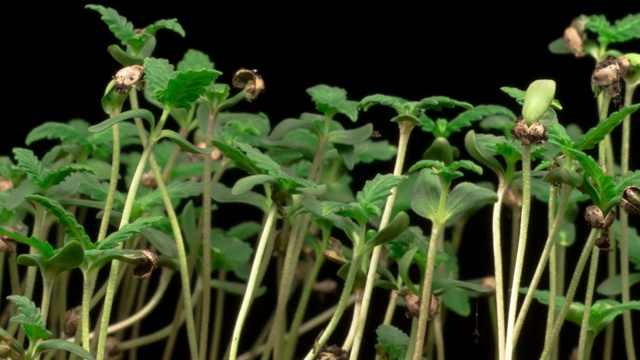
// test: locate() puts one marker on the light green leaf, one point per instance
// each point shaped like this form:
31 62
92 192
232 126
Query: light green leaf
30 318
186 87
60 344
118 25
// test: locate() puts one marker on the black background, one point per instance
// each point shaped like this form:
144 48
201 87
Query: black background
57 67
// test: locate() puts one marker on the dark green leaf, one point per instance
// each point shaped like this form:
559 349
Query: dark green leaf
69 257
229 253
246 128
477 147
426 195
165 244
42 246
398 225
393 341
287 125
440 150
466 198
330 100
633 243
457 300
561 175
238 157
186 87
439 102
157 73
351 137
29 162
261 160
376 191
56 176
393 102
249 182
466 118
123 58
596 134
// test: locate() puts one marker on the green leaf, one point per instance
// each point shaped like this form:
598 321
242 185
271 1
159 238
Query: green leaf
623 30
118 25
561 175
440 150
603 312
43 247
130 114
249 182
393 102
612 286
537 100
69 257
30 163
30 319
72 228
376 191
183 143
195 60
351 137
287 125
596 134
229 253
261 160
169 24
393 341
185 88
56 176
426 195
457 300
477 147
248 128
123 58
330 100
128 231
223 194
439 102
466 118
397 226
238 157
157 73
60 344
165 244
633 243
466 198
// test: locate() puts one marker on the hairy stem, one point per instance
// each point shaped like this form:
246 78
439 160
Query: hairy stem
586 315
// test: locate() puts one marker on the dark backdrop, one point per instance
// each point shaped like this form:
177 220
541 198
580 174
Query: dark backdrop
57 67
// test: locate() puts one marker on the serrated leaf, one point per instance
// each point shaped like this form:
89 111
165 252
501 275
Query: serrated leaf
195 60
394 342
329 99
393 102
30 163
261 160
625 29
239 158
157 73
439 102
375 192
51 130
229 253
43 247
596 134
128 231
351 210
185 88
56 176
72 228
30 319
466 118
121 28
248 128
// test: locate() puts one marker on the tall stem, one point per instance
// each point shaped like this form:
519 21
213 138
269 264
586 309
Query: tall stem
498 266
522 243
403 141
586 314
252 283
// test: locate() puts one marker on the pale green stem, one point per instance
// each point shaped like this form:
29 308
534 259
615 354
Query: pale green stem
342 305
252 283
588 301
548 247
516 213
206 241
403 141
113 182
302 303
412 338
624 224
551 214
126 214
498 265
89 285
522 243
427 280
571 291
218 318
354 321
438 334
303 329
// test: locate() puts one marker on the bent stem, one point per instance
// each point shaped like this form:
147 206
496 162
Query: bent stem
571 291
252 283
522 243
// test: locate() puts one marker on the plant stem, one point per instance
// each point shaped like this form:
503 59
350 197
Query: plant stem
624 226
571 291
586 315
89 284
498 266
252 283
342 305
548 247
425 298
218 318
405 128
522 243
551 308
